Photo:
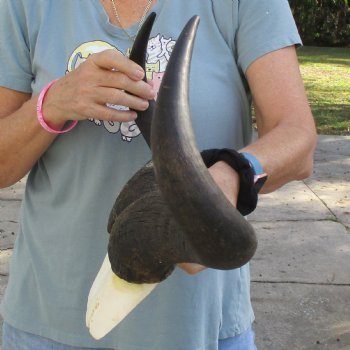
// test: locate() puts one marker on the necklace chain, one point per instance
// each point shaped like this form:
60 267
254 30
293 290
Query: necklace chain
142 19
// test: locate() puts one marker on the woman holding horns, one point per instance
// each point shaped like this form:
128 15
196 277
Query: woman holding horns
69 97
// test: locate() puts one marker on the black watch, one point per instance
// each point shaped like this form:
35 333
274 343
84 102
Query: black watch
250 182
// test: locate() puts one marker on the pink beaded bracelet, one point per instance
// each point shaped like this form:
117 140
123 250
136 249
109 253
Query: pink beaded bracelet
40 116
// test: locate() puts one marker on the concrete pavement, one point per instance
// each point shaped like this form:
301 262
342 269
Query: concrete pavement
301 271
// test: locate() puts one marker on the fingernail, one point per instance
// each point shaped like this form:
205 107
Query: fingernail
143 105
139 74
152 93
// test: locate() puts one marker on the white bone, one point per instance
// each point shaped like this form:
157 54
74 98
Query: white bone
111 299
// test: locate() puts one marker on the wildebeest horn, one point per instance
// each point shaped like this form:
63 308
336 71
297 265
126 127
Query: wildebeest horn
217 231
179 214
138 55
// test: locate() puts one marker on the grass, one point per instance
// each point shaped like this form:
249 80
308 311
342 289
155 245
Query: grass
326 74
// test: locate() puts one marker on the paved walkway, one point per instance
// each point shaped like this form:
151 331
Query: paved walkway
301 271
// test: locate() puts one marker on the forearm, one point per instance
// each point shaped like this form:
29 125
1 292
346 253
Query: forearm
22 142
285 153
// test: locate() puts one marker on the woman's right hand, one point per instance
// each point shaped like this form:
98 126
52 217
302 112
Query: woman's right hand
105 77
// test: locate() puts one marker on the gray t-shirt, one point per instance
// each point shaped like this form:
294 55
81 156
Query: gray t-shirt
62 238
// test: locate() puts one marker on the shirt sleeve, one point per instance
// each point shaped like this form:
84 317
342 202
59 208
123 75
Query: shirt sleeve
15 59
263 26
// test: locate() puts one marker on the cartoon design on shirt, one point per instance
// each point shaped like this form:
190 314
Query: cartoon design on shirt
159 49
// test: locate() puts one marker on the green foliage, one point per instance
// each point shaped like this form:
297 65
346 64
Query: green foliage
326 75
323 22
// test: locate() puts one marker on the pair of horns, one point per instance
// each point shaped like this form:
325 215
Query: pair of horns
215 234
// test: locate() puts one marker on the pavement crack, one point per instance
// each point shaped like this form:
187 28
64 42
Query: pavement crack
6 199
325 204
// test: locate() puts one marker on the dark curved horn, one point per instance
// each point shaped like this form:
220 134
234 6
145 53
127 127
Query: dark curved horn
138 54
218 233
